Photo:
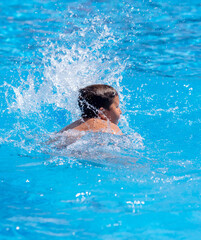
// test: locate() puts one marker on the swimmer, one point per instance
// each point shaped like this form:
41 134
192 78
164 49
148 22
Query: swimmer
100 111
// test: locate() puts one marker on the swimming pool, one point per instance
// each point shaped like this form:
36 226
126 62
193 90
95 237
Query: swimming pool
144 185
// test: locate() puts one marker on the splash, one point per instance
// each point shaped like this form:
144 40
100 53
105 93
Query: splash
72 62
46 100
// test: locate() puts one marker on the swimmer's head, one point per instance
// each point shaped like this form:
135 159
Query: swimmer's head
97 97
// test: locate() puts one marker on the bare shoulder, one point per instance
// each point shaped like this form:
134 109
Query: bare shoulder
116 129
94 125
99 125
72 125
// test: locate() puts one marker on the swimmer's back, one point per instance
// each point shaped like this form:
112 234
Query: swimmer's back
94 125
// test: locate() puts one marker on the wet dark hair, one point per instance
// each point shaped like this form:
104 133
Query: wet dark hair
93 97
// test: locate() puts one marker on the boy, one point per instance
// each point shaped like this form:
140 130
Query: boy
99 105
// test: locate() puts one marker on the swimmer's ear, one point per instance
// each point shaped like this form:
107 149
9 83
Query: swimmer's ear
101 113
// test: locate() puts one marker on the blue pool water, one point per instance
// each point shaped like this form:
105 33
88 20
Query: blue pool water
144 185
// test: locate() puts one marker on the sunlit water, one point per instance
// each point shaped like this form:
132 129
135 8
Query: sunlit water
142 185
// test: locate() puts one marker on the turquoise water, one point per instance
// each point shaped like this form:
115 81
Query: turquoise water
144 185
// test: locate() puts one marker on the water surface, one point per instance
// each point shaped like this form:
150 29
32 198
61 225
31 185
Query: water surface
145 185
